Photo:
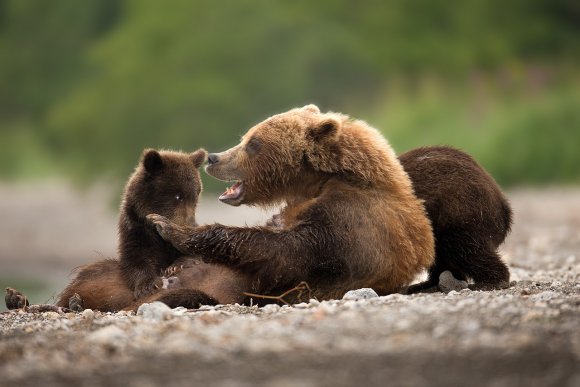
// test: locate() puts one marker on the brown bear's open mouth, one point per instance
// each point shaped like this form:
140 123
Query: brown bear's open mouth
233 194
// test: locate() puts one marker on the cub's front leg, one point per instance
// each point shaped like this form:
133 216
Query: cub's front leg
177 235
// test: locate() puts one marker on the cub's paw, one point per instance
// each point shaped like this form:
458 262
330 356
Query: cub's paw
14 299
75 303
162 225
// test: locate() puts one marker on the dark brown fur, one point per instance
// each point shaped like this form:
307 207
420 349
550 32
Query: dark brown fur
164 181
469 214
160 176
351 218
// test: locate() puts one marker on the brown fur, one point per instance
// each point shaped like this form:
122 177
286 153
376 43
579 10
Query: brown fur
112 285
351 218
191 283
469 214
100 286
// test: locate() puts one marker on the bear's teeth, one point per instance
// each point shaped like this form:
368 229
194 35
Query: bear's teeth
233 192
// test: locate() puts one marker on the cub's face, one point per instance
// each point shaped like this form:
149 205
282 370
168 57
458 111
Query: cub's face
271 156
166 183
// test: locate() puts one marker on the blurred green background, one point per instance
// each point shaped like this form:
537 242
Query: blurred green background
86 85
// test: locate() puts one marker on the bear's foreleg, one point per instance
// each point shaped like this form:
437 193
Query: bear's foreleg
261 250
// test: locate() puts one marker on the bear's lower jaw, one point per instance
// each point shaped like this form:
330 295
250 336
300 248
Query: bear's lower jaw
234 195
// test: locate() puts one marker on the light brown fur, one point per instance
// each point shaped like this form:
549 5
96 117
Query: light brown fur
351 218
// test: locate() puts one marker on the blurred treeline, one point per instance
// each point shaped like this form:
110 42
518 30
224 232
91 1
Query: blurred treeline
86 85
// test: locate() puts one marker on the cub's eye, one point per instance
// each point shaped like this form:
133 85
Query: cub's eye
178 197
253 146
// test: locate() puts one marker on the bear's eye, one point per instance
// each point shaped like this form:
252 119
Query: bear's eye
178 197
253 146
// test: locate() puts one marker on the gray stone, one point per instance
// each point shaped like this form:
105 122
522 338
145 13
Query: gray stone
448 283
360 294
156 311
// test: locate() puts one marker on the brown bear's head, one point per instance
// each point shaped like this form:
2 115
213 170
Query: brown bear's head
165 183
287 152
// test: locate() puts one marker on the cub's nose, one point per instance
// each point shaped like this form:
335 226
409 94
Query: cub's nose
212 158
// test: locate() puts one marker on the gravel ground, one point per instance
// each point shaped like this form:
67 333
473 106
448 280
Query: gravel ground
526 335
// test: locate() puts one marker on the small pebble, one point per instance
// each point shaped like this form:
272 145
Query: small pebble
271 308
156 311
52 315
448 283
88 314
360 294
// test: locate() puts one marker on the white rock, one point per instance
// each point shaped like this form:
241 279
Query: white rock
88 314
156 311
52 315
271 308
360 294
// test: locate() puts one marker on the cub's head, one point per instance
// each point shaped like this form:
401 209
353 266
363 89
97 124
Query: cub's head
165 183
275 155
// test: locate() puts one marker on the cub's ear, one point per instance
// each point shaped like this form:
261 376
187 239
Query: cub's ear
312 108
152 161
325 129
198 157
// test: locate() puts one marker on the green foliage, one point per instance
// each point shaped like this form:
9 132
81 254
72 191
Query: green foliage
521 133
85 86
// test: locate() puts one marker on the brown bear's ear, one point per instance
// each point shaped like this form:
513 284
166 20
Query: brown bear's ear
152 160
198 157
312 108
325 129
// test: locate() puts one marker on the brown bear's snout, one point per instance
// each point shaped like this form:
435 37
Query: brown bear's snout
213 158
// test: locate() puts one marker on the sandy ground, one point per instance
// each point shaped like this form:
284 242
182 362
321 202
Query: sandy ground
527 335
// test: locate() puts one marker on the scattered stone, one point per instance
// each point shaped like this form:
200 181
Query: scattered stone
52 315
360 294
448 283
88 314
271 308
157 311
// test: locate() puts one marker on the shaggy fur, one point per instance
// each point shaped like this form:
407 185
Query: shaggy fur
166 182
469 214
350 219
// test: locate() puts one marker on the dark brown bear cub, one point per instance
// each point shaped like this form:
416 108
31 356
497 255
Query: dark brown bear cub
469 214
163 181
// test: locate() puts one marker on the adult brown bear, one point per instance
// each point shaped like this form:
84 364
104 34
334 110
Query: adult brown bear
350 219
